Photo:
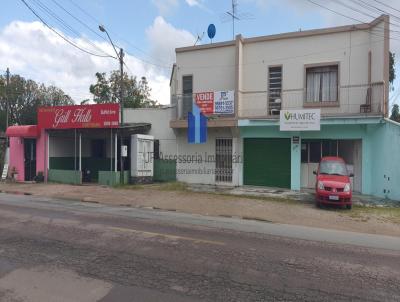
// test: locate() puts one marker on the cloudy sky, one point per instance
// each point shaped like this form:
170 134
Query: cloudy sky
149 31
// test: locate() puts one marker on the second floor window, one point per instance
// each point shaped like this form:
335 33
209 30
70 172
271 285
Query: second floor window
322 84
187 92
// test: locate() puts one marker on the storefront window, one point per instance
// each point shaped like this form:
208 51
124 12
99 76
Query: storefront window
304 152
315 152
329 148
98 148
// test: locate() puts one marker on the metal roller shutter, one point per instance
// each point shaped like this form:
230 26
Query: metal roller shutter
267 162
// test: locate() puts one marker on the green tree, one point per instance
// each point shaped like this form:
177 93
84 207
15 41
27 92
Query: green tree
392 71
395 116
24 97
136 94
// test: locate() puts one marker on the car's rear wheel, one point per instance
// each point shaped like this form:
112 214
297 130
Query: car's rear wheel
348 206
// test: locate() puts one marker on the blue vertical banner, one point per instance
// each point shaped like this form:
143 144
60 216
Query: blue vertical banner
197 126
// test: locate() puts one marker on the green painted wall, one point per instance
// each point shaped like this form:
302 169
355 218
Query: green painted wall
111 178
164 170
65 176
93 164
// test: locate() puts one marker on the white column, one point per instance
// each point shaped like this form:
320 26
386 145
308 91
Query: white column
115 152
80 152
111 150
47 154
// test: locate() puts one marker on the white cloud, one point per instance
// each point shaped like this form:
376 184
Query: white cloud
192 2
165 6
33 51
164 38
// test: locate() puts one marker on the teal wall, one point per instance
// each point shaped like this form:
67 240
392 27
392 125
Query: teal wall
295 164
384 154
380 151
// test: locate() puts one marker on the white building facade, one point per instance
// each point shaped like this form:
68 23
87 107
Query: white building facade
342 71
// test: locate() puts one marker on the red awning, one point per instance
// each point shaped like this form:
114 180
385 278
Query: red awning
23 131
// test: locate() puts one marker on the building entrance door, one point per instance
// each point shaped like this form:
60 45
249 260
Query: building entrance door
30 159
223 163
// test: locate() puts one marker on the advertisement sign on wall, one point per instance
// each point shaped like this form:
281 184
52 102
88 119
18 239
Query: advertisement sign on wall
205 101
224 102
300 120
217 102
79 116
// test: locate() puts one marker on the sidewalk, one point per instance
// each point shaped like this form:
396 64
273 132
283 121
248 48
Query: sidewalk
271 208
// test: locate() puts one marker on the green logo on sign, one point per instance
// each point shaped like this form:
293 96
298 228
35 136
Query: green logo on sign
287 115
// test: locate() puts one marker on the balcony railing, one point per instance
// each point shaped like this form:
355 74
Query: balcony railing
183 104
365 99
350 100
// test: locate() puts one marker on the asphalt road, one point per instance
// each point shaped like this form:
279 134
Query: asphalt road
53 250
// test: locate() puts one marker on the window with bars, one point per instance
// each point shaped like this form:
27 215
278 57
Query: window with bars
274 89
223 160
187 94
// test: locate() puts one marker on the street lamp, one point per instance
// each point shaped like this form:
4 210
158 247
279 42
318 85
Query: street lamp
120 57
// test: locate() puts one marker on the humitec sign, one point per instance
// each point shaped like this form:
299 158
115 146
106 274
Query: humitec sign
300 120
217 102
79 116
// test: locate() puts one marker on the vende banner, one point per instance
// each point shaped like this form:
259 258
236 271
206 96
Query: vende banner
205 101
79 116
217 102
300 120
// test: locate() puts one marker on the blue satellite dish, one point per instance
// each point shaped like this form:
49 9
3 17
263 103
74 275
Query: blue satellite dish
211 31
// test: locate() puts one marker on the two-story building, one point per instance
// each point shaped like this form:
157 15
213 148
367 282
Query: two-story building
341 71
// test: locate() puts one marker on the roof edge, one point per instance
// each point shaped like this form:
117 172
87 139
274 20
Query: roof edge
392 121
295 34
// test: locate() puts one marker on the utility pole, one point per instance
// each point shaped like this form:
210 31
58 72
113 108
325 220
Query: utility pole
7 99
120 57
121 105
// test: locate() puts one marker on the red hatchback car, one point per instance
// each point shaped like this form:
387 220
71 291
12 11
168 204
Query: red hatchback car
333 186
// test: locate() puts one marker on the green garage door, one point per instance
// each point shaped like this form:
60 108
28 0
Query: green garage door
267 162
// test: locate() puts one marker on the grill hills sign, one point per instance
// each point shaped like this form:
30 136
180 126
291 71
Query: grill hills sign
80 116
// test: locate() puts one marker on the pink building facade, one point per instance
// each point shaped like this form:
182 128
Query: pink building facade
28 156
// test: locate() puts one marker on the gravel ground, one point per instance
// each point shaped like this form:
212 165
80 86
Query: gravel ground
176 198
50 253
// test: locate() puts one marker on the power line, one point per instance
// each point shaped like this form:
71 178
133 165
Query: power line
373 8
64 24
80 21
61 36
362 12
348 17
387 5
69 28
97 22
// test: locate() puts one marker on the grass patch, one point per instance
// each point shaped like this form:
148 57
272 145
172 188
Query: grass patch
261 198
172 186
128 187
386 214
